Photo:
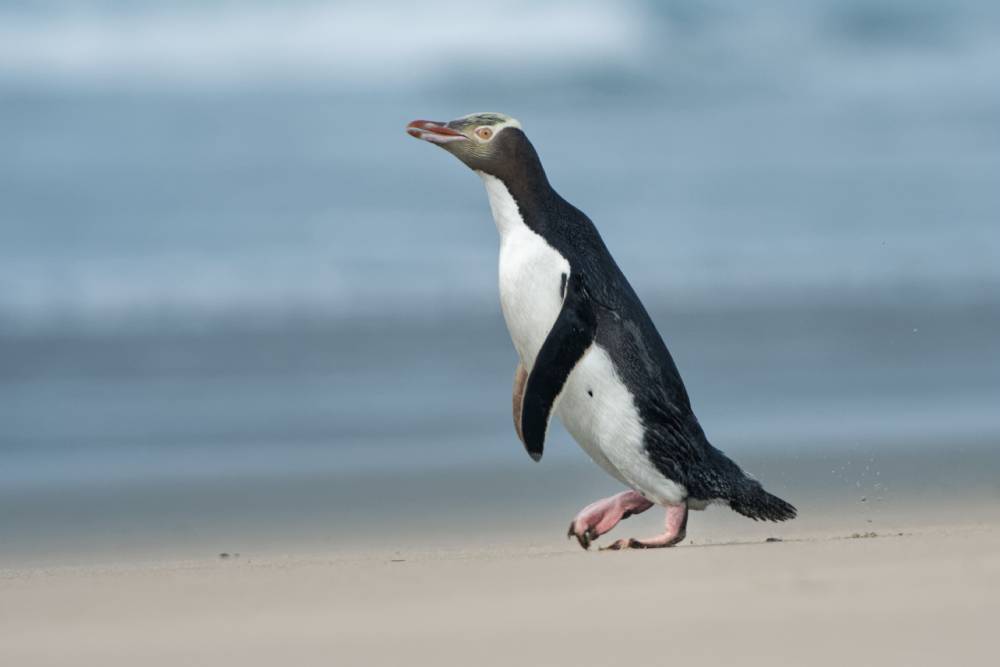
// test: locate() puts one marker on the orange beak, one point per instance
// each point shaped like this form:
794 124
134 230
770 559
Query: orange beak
434 132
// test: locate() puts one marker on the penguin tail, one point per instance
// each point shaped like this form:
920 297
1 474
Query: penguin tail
751 500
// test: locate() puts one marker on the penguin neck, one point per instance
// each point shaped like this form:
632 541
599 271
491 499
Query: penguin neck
522 200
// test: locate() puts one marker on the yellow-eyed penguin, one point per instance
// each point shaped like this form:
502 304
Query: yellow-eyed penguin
589 351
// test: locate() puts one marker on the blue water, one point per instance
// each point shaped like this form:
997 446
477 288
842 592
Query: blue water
221 256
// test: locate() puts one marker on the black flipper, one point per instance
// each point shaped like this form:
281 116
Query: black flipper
568 340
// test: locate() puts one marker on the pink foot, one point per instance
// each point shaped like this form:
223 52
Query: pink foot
599 517
677 517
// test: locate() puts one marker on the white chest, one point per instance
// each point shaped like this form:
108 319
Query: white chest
531 275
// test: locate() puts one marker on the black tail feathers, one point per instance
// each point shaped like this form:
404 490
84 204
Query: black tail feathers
753 501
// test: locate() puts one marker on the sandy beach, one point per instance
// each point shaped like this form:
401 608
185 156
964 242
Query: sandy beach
256 373
907 593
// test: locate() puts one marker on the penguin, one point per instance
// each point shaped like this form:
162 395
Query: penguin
588 351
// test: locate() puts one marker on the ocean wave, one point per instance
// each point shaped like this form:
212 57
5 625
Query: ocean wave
359 44
193 294
388 46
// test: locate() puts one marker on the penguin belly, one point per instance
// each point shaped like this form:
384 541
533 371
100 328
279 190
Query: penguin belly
599 411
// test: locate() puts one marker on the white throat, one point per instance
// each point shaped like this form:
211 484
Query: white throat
506 213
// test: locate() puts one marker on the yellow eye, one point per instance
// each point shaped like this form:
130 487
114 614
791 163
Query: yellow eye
484 133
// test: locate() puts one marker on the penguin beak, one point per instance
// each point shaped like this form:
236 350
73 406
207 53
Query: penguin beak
434 132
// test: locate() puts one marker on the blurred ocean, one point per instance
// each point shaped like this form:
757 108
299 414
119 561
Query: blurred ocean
221 258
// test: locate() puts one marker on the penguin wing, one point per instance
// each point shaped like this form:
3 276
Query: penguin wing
568 340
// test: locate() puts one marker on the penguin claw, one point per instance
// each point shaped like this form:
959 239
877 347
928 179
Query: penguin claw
623 544
583 538
632 543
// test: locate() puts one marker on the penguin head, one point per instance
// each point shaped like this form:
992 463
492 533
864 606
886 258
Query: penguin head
488 142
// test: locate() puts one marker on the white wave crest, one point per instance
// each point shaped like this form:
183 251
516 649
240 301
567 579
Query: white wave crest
346 43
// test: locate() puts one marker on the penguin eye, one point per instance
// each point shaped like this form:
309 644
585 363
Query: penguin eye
484 133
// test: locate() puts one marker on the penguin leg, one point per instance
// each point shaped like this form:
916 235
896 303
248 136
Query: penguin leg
676 530
599 517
